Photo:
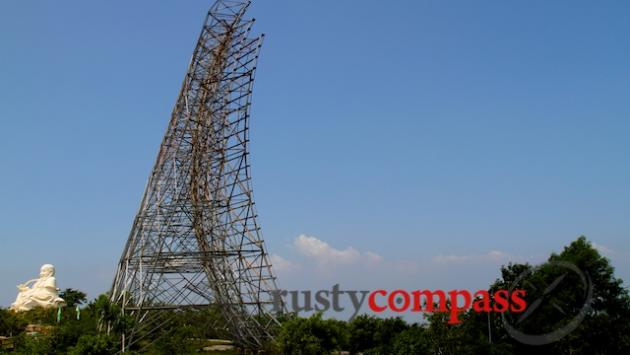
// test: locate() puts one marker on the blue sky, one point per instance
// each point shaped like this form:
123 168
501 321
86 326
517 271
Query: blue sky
436 139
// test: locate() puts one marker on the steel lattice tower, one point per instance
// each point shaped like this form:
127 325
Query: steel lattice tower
195 241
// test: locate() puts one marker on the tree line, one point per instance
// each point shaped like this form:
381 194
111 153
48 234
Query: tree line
576 305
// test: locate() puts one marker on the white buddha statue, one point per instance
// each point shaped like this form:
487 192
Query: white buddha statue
43 292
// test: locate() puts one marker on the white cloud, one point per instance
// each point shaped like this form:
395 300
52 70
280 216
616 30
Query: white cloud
320 251
283 265
491 256
373 257
602 249
322 260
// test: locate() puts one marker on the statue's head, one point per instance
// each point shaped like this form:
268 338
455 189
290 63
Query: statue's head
47 270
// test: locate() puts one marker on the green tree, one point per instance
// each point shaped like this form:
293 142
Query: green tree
372 335
362 330
313 335
605 328
412 340
29 344
99 344
110 314
73 297
10 323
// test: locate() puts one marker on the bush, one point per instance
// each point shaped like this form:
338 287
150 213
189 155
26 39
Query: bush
313 335
99 344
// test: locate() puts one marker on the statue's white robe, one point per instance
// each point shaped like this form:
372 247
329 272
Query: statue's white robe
43 293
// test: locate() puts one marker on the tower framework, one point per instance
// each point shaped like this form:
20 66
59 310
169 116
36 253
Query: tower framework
195 241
